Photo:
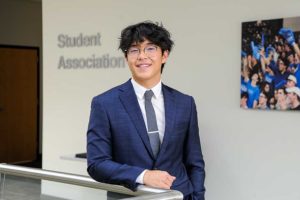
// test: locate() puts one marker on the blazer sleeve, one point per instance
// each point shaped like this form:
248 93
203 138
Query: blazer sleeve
193 156
101 166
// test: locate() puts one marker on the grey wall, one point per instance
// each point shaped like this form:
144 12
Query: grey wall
21 24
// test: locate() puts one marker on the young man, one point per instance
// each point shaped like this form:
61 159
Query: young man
144 132
262 102
293 94
282 101
291 81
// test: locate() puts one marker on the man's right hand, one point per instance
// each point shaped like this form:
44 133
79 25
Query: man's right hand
158 179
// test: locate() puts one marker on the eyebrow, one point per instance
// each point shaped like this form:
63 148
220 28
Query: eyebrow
139 44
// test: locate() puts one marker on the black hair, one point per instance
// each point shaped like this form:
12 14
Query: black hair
266 95
147 30
263 85
244 95
284 60
283 89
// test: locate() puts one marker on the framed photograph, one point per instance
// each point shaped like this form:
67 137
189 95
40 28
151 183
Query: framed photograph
270 64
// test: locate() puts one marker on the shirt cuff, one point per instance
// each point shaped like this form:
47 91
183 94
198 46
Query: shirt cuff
140 178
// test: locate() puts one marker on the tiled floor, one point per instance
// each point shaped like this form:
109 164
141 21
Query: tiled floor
19 188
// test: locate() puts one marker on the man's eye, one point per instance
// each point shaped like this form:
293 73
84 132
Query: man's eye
151 49
133 51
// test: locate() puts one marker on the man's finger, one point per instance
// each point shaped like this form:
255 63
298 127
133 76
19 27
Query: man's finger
167 181
172 178
164 185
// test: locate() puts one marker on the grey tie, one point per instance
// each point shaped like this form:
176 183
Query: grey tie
152 124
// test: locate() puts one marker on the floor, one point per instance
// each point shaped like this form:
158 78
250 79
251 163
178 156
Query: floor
20 188
35 164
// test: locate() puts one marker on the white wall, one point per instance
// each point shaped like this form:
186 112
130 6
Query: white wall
250 155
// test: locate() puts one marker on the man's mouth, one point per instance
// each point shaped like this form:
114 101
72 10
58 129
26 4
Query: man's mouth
144 65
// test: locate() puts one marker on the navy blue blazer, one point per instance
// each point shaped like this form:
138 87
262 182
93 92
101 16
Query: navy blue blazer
119 150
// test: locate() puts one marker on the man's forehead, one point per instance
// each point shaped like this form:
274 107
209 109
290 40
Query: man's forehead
140 43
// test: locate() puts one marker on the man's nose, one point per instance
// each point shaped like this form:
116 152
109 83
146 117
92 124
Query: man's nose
142 55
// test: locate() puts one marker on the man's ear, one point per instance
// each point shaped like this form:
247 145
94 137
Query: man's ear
165 56
126 58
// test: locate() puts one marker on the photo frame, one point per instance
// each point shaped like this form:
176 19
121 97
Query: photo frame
270 64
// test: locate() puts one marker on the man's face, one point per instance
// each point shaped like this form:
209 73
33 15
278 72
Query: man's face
262 99
281 94
287 48
254 77
292 96
290 83
281 65
291 58
267 88
279 49
145 60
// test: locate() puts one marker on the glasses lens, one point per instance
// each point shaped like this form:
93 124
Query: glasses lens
133 51
150 50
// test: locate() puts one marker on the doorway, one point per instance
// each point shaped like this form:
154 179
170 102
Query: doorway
19 104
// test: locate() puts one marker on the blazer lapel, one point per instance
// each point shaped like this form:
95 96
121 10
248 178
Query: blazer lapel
170 115
130 102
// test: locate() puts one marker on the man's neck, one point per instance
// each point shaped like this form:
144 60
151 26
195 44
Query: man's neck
148 84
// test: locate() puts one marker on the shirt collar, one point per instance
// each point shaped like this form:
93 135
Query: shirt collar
140 90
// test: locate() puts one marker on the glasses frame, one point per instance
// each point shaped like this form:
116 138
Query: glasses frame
150 50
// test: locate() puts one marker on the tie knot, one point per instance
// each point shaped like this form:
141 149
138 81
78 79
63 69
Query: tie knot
148 94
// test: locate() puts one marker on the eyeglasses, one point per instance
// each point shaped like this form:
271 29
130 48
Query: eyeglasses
134 52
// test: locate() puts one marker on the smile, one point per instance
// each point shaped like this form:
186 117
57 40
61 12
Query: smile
144 65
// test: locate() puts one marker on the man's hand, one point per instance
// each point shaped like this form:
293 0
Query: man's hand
255 51
158 179
288 34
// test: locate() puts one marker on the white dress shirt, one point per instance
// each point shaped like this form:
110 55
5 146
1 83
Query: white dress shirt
159 108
